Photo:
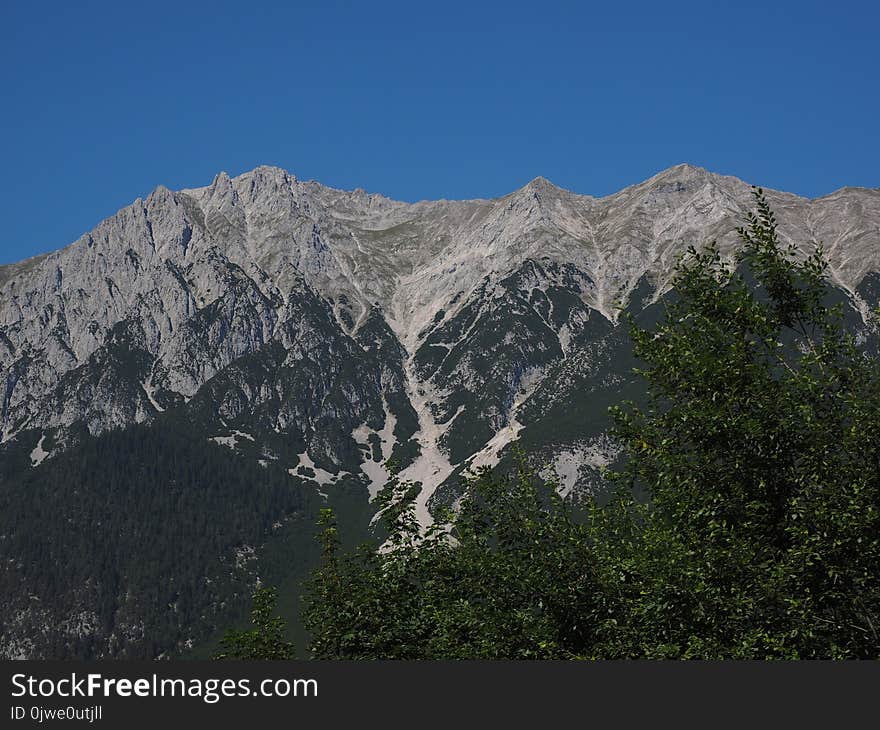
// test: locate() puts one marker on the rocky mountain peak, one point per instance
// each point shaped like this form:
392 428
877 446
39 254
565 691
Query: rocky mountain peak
541 184
243 252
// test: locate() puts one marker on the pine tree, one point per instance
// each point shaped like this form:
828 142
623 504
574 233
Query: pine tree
266 639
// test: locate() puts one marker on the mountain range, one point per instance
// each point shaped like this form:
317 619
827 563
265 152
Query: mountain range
269 335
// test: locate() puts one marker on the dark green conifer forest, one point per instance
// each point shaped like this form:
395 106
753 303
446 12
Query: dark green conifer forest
125 531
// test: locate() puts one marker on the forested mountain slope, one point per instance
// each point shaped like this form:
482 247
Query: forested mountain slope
185 379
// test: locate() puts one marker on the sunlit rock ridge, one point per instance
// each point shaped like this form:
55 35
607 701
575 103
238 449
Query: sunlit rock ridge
329 330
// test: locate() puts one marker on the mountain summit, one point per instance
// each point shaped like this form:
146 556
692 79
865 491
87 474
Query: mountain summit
197 279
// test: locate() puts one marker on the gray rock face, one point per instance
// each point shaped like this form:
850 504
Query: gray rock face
315 320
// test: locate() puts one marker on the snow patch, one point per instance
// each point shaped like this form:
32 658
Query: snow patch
568 464
39 455
564 336
231 441
431 467
490 454
322 477
151 396
376 472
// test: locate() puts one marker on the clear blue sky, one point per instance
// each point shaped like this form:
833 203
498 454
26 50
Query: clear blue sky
102 101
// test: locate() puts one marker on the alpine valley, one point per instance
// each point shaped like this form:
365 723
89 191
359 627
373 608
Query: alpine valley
187 384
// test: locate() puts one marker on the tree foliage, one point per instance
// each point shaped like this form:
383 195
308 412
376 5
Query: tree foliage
482 585
266 639
758 445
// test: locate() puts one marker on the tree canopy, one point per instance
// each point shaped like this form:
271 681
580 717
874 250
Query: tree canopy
757 447
266 639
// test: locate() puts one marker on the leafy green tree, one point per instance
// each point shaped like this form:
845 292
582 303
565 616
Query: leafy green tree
266 639
760 449
509 576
